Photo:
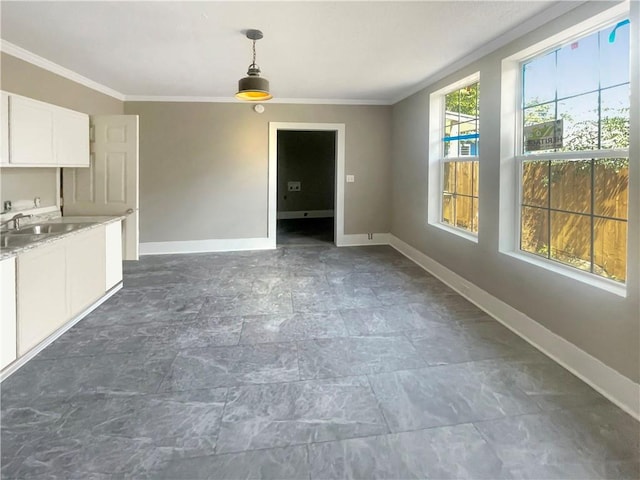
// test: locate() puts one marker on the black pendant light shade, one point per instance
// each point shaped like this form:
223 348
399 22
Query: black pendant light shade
253 87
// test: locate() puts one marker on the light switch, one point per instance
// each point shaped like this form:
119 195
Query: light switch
351 178
294 186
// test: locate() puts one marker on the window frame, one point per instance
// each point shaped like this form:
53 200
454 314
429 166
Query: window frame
512 154
437 160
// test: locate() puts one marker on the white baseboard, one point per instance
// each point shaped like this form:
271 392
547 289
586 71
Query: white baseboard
202 246
20 362
616 387
305 214
359 239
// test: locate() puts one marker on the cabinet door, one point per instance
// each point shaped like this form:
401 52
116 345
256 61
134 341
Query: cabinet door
113 239
86 269
7 312
71 137
4 128
42 294
30 132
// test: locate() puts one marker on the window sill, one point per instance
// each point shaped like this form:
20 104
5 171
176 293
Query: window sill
456 231
575 274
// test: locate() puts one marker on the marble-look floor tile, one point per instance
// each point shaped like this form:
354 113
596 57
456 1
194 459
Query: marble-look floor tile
594 442
138 372
275 463
440 344
446 395
226 366
457 452
334 298
381 320
207 332
144 309
186 422
248 304
337 357
367 279
296 326
410 293
276 415
86 456
457 308
543 380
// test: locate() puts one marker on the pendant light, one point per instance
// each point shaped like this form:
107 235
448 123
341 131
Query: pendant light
253 87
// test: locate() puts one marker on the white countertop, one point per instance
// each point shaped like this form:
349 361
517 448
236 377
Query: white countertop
46 239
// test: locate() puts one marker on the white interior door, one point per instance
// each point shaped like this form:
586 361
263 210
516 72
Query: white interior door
110 185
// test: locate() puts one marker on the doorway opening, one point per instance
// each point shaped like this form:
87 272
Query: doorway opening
306 189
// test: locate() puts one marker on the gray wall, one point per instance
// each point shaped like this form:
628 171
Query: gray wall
204 167
22 78
603 324
310 158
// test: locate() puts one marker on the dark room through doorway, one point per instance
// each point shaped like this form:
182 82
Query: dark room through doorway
306 187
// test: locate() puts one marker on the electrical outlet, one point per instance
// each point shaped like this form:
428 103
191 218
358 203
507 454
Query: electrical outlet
294 186
351 178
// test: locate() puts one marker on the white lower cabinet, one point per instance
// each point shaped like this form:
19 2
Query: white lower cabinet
8 312
57 282
85 269
43 305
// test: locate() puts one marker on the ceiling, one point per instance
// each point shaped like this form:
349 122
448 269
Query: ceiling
361 52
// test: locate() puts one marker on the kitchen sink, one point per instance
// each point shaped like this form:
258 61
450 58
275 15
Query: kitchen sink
35 232
45 228
11 240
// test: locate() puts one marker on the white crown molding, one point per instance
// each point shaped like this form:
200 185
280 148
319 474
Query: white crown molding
527 26
230 99
32 58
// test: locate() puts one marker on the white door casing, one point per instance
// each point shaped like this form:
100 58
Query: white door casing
340 130
110 185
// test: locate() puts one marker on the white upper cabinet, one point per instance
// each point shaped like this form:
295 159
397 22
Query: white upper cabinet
38 134
71 133
30 132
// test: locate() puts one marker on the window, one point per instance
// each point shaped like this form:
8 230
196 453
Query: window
574 155
459 147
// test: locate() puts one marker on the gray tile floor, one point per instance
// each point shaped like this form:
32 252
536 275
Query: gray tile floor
302 363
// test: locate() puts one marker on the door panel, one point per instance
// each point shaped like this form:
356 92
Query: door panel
110 185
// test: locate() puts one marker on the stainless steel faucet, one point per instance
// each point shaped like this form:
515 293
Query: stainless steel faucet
16 220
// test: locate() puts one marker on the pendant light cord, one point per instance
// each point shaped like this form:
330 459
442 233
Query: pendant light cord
254 54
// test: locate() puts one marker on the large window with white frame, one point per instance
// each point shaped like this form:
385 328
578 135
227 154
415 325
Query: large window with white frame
573 153
459 157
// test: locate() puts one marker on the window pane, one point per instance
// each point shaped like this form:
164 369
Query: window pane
615 117
614 56
452 105
474 227
464 178
469 101
611 182
534 231
476 171
539 114
571 185
578 70
571 239
447 208
610 249
464 212
580 117
449 184
539 80
535 183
